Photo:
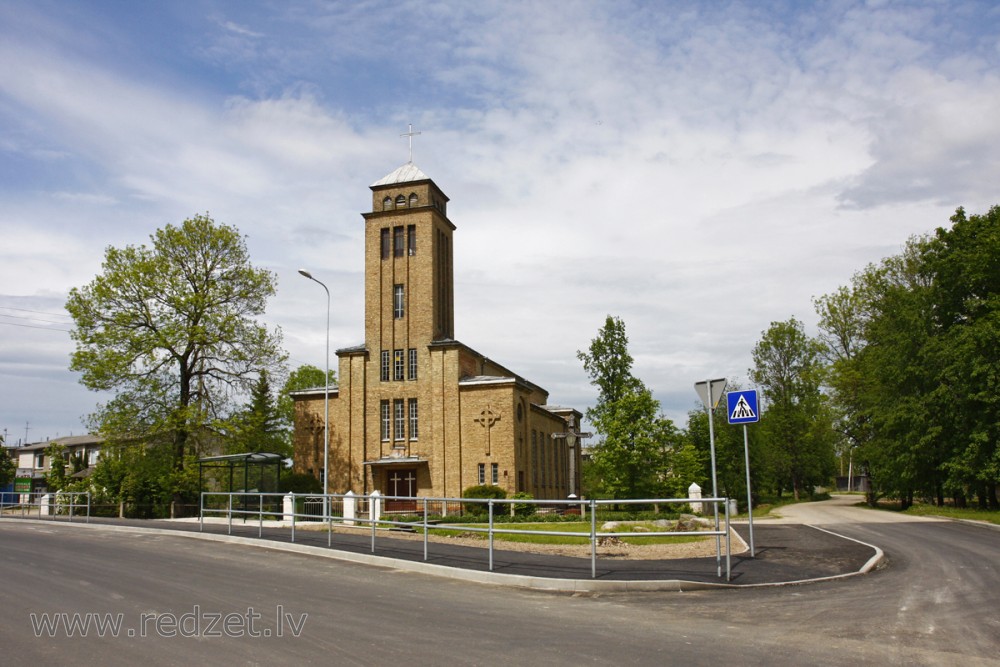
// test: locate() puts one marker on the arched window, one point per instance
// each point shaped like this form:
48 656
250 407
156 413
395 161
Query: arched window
387 204
400 201
413 199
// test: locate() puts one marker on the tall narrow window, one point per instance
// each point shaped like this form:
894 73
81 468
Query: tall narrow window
384 374
413 363
534 458
414 419
544 455
482 474
413 199
400 413
386 420
397 241
398 299
397 364
384 241
495 473
411 240
387 204
557 452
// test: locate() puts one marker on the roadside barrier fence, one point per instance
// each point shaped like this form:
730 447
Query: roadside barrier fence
377 513
69 504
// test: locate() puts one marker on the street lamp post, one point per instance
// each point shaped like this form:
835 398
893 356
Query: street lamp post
326 398
572 437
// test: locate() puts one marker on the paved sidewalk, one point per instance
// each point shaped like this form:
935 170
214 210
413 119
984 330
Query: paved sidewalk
784 554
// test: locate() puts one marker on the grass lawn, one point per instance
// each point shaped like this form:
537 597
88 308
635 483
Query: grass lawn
562 527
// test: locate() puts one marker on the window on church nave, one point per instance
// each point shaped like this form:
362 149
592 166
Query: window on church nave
534 458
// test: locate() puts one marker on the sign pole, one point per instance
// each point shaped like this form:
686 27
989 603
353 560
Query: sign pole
746 454
743 408
715 485
707 392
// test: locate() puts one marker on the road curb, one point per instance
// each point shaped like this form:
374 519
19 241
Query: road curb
475 576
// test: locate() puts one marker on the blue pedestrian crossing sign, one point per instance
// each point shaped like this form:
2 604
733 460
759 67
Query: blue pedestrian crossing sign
742 407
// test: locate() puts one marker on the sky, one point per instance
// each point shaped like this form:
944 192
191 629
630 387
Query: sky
698 169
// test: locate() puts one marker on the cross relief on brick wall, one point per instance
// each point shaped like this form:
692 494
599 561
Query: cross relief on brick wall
487 418
315 427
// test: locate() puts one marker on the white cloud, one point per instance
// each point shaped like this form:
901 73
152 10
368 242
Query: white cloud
697 169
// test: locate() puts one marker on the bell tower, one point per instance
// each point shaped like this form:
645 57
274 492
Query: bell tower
409 296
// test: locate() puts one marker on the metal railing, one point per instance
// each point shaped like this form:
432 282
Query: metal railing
52 504
428 514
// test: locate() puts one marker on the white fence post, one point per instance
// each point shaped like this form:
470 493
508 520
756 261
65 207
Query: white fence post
43 507
350 508
694 493
375 507
288 507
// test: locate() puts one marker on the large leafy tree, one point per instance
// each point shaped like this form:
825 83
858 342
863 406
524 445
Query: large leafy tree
965 264
172 330
843 316
896 372
797 425
915 372
633 457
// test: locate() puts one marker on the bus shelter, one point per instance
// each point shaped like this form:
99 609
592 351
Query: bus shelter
260 468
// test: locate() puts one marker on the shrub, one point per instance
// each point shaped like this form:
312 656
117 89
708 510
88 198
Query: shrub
523 509
484 491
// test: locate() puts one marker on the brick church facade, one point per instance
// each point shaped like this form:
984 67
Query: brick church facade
416 412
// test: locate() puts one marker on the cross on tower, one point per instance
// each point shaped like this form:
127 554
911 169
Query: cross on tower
487 418
409 135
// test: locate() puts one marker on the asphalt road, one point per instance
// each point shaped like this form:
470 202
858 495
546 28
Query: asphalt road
183 601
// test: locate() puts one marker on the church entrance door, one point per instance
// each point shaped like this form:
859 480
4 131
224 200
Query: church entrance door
401 482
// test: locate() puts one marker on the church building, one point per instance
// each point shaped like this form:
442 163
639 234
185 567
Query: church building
416 412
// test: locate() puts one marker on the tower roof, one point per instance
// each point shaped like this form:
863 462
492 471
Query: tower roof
408 173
